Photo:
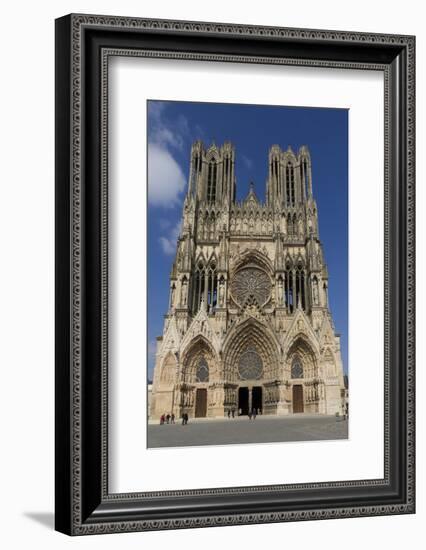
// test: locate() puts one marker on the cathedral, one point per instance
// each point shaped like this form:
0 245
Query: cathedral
248 324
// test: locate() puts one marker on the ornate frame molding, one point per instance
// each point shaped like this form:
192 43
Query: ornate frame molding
84 44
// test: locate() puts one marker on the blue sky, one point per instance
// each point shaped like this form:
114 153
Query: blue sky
174 126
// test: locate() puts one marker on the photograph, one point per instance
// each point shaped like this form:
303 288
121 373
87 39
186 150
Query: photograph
247 263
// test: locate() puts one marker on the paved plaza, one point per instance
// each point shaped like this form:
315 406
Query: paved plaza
264 429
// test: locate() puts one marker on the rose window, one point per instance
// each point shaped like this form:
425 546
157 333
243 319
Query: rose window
249 283
250 365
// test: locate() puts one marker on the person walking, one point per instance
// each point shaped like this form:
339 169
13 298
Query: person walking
229 413
172 418
233 413
168 418
254 413
161 419
249 415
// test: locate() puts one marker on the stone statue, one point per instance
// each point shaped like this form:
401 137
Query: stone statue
315 292
221 292
280 291
183 295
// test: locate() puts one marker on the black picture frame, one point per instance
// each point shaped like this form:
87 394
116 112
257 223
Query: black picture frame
83 504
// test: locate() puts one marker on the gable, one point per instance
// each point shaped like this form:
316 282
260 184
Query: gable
326 334
300 327
200 325
171 339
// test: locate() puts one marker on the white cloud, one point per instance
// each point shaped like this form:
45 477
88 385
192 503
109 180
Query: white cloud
164 137
166 180
164 132
168 244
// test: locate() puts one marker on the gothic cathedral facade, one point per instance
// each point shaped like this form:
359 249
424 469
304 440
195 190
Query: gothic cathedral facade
248 325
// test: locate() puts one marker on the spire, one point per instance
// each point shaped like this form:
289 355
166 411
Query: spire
251 195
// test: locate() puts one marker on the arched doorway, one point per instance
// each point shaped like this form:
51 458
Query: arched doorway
243 401
200 402
198 364
303 366
298 406
257 403
249 399
250 354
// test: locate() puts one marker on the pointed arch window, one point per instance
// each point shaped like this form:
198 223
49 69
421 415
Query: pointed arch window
195 171
300 287
304 177
205 286
290 184
212 286
226 175
202 372
289 288
211 181
296 367
275 173
198 286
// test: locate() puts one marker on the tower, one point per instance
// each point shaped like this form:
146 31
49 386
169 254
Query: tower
248 324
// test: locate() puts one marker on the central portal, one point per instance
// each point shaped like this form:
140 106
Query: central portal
250 399
201 403
256 399
243 401
298 398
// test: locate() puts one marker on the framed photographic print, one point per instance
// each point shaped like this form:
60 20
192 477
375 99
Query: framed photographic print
234 274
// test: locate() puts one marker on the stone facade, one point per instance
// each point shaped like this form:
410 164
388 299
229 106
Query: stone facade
248 324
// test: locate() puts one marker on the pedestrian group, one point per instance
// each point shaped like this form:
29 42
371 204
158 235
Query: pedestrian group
167 418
